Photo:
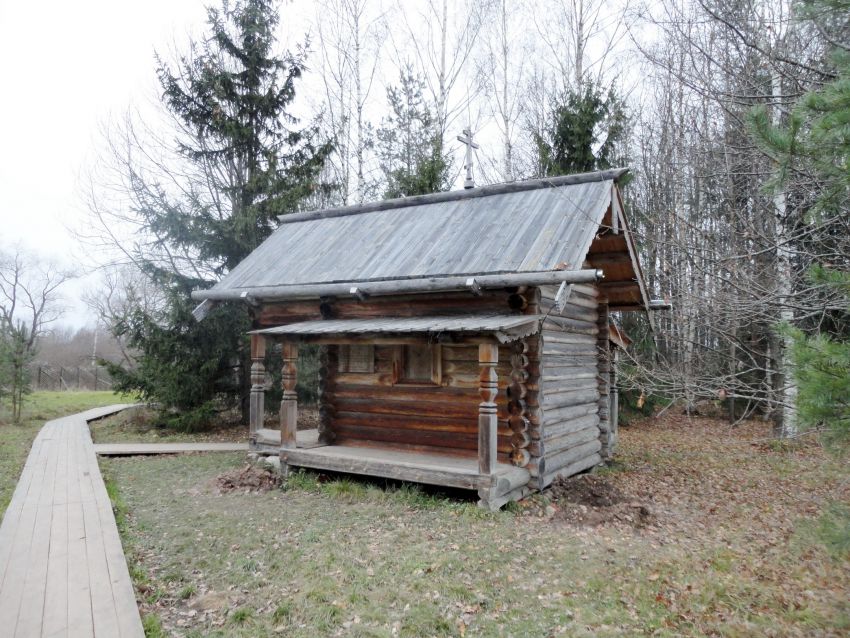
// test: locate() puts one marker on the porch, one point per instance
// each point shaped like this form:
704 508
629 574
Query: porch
506 483
496 482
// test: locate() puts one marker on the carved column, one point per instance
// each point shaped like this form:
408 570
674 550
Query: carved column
603 347
257 402
488 387
289 404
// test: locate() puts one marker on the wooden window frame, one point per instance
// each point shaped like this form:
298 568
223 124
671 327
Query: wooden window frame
344 356
436 365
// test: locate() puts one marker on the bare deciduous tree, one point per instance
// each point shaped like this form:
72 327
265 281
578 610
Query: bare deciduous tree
29 303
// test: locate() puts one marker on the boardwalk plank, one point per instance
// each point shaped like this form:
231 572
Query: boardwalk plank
62 567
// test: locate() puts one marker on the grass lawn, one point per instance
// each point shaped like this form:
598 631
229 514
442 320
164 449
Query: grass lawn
748 539
140 426
15 440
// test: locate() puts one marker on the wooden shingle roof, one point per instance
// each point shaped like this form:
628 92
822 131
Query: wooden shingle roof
535 226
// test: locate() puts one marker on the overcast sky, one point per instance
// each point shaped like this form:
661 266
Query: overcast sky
67 67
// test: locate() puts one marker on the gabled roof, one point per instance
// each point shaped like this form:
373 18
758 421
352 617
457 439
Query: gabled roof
536 226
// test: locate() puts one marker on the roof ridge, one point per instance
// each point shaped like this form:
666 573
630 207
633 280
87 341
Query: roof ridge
612 174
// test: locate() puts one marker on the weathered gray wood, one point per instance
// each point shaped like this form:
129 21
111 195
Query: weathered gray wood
579 396
488 357
495 503
257 405
406 466
557 415
62 568
289 402
571 325
562 428
565 458
568 337
449 196
539 483
552 446
399 286
569 349
143 449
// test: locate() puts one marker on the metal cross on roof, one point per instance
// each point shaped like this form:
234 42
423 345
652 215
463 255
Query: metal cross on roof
466 138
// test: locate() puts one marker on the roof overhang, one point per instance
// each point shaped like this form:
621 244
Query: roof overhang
363 289
505 328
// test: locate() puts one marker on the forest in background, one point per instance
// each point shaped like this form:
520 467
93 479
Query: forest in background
737 224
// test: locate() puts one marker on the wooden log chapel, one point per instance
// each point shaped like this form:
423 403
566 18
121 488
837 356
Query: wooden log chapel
465 337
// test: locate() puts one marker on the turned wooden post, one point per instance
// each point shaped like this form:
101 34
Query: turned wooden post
289 404
257 403
488 387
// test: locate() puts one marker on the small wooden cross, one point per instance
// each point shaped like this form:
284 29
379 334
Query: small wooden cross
466 138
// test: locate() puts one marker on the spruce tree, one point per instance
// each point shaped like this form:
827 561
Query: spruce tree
585 133
245 161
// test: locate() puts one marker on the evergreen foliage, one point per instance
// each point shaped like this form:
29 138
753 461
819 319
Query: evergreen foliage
17 352
586 132
230 98
233 95
815 144
185 366
409 144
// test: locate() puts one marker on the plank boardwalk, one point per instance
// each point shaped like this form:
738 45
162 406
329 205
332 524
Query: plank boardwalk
135 449
62 567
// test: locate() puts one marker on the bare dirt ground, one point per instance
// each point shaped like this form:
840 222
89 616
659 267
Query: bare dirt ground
696 530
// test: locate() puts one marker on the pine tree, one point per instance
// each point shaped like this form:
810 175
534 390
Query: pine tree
814 148
409 142
245 161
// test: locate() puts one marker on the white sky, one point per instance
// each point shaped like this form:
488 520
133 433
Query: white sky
67 67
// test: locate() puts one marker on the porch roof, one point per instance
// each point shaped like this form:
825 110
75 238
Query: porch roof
504 327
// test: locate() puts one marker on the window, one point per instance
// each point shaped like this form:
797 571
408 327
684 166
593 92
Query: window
357 359
419 364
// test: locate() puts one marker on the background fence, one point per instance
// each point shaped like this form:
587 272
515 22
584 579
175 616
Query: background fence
47 377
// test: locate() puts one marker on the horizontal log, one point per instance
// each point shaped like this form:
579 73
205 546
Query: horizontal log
414 422
347 307
554 447
456 409
565 458
582 290
556 415
553 322
556 394
572 469
569 350
556 431
558 336
455 440
578 313
553 381
563 400
398 286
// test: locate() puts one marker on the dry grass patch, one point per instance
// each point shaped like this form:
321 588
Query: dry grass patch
734 549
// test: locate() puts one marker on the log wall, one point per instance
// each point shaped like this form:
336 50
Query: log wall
567 439
374 409
369 409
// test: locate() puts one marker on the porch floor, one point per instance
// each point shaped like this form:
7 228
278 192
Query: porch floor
418 467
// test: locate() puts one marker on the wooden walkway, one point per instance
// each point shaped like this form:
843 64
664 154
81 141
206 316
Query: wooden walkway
136 449
62 567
